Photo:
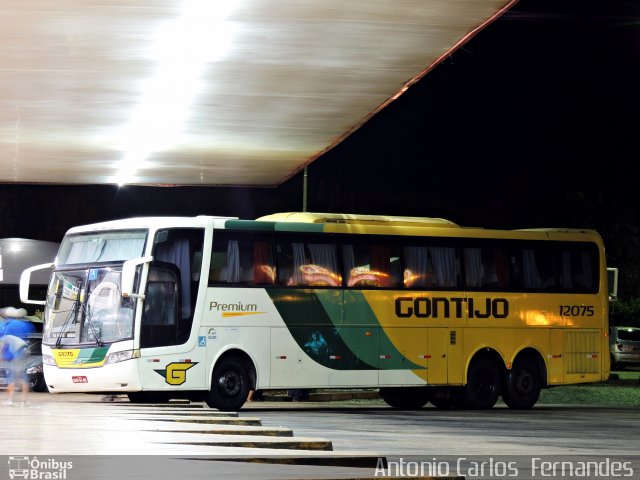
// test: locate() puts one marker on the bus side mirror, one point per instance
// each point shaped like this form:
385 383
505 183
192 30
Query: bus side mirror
25 280
129 275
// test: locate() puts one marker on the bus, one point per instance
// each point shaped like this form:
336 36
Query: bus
208 308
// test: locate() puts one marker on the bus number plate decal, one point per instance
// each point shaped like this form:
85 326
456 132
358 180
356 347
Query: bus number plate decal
79 379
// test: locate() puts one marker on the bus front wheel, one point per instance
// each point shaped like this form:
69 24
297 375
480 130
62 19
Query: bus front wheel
229 385
522 386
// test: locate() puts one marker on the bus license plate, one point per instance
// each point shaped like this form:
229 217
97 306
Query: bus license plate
79 379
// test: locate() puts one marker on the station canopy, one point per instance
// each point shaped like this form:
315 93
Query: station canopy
206 92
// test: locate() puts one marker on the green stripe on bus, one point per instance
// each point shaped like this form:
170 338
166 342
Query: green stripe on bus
249 225
359 332
299 227
315 320
314 330
257 225
92 355
360 318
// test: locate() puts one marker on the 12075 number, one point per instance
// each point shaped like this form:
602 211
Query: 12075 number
577 310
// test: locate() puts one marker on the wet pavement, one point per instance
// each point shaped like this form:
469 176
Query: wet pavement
163 441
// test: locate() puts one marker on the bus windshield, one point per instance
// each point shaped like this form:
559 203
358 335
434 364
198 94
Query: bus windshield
85 306
85 303
98 247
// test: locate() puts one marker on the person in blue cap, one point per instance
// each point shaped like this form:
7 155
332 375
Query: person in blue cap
13 346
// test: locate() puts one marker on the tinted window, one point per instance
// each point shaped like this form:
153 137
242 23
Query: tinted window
371 263
368 261
430 266
242 258
307 261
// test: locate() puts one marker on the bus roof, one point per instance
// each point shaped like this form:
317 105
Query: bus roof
357 219
149 222
342 223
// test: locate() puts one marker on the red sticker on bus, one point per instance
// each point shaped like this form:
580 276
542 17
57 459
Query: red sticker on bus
79 379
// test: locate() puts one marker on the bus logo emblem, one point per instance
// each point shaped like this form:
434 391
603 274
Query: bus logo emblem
176 372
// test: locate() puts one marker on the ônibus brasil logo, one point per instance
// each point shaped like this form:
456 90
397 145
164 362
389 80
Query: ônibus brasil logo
38 469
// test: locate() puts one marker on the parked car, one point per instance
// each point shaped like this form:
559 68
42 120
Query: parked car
624 345
33 370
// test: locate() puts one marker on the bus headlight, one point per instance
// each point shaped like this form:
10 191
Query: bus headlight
48 359
117 357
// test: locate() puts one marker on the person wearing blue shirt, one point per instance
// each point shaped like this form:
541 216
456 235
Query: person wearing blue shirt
13 346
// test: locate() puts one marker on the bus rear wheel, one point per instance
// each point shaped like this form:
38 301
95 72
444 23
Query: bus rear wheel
405 398
483 385
229 385
522 386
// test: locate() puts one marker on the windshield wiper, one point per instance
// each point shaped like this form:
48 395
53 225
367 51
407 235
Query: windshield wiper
88 317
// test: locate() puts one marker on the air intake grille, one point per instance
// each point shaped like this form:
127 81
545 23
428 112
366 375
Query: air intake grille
581 352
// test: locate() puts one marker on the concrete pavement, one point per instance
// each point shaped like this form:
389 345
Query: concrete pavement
117 439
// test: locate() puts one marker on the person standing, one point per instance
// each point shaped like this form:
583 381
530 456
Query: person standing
14 355
13 348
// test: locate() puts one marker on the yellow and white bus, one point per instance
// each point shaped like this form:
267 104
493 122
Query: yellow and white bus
208 308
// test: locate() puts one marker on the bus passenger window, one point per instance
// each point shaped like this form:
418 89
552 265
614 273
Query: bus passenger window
472 267
308 264
430 267
532 268
241 258
371 265
418 269
578 270
486 268
537 269
264 270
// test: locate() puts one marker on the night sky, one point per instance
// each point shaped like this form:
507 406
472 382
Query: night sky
532 123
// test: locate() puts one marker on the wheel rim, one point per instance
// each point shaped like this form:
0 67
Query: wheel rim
230 384
524 383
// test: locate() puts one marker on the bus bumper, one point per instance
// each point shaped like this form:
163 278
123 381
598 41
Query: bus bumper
116 377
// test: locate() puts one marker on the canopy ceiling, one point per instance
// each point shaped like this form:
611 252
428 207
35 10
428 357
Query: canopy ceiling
206 92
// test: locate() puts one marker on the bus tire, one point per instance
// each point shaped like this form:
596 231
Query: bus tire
230 385
483 385
522 385
405 398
